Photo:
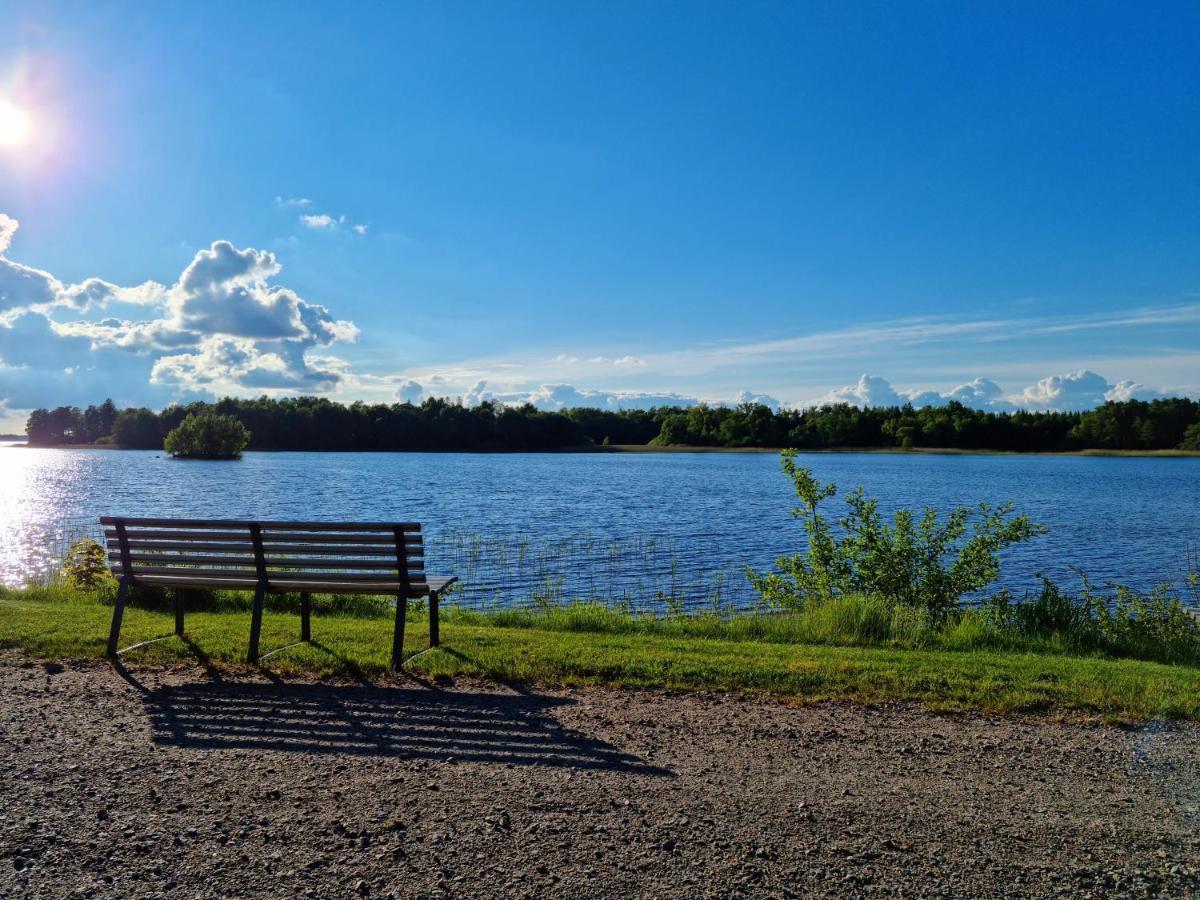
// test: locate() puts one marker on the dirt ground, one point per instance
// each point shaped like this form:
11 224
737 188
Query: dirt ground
182 783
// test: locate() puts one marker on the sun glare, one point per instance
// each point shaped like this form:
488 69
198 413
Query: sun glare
16 126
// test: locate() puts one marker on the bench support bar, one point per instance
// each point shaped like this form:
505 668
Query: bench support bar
398 633
256 615
114 633
434 637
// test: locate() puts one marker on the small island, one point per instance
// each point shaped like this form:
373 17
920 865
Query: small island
207 435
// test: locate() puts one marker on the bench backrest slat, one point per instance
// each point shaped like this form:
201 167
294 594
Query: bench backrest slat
384 557
385 527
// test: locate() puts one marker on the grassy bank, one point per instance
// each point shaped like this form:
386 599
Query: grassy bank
59 624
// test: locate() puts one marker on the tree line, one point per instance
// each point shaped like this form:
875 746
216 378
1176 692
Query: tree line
315 423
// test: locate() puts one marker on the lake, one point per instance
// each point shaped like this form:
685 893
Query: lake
639 526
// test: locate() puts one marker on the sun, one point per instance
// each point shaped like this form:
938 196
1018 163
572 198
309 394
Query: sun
16 127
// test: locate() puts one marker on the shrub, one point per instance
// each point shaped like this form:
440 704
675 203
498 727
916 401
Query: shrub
1153 626
207 435
917 560
86 565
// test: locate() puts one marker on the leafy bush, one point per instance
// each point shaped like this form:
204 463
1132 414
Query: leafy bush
86 565
919 561
207 435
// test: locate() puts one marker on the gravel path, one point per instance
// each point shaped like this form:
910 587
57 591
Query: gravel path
168 783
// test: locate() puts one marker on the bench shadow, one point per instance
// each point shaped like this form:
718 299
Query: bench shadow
413 723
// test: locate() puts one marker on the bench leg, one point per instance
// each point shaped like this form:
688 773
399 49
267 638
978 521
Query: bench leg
398 634
114 633
305 618
434 637
256 623
180 595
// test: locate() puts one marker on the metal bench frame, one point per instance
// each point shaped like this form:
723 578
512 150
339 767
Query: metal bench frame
370 558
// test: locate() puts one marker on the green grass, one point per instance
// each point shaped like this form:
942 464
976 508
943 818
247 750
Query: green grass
56 624
858 621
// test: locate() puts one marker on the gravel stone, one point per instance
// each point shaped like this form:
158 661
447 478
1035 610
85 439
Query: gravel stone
158 783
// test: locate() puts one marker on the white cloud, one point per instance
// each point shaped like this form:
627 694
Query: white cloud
1081 390
1072 392
554 397
223 326
1075 390
227 363
410 391
1131 390
875 391
758 400
318 221
617 362
981 393
8 227
23 288
870 390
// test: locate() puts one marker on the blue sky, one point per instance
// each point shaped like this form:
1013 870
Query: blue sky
600 203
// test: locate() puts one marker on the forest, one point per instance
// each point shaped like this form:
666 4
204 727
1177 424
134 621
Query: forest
315 423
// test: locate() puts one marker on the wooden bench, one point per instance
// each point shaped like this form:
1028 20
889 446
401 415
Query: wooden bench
371 558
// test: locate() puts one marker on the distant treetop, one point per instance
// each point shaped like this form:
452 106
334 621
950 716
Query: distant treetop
315 423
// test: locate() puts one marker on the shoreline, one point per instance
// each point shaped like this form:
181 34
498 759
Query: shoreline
687 448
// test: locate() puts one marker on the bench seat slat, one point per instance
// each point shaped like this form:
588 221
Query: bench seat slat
210 572
387 551
282 539
276 586
385 527
141 561
247 559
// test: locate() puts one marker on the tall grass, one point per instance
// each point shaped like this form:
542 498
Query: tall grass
1154 627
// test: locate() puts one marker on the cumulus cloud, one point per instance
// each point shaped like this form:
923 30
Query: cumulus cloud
1077 390
222 361
361 229
871 390
223 326
758 400
1132 390
410 391
554 397
981 393
1081 390
1072 392
292 201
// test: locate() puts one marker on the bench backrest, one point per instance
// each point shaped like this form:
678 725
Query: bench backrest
318 557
